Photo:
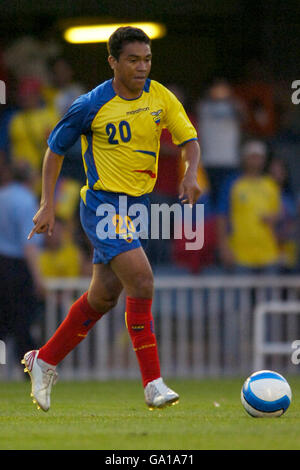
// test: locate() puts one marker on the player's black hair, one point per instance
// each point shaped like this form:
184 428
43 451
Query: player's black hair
124 35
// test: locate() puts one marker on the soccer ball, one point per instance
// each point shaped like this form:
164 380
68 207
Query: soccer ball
266 394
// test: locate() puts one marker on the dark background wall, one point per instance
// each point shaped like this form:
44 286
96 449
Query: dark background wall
204 37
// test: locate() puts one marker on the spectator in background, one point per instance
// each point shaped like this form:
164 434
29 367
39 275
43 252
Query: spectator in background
67 198
60 256
219 117
170 172
30 126
286 227
6 112
21 284
65 89
166 188
196 261
248 212
3 68
169 163
28 56
257 94
5 118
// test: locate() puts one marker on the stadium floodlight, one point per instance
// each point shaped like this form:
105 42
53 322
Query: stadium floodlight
101 32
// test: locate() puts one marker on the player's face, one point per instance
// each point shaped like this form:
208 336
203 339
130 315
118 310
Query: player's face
133 67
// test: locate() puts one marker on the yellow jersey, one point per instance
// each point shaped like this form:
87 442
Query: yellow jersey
62 262
252 240
28 132
120 138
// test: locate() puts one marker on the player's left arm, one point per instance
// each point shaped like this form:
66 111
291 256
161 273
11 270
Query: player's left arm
189 189
185 136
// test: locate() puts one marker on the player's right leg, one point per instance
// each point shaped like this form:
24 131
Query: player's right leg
102 295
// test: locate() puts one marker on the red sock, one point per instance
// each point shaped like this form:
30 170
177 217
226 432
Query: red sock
80 319
139 322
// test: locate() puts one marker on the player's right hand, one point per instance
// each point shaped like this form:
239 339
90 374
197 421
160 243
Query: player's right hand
43 221
189 190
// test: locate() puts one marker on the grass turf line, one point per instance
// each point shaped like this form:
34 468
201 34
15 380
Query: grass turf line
113 416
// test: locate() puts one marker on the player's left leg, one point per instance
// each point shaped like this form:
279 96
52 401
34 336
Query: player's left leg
102 295
134 271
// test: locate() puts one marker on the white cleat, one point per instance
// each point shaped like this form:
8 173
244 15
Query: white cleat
158 395
42 376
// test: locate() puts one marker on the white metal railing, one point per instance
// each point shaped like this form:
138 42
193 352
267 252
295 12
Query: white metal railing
264 346
204 326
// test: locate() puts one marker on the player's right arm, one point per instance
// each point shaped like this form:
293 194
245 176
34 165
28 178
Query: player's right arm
74 123
185 136
45 217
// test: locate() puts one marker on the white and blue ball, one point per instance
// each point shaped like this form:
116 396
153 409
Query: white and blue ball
266 394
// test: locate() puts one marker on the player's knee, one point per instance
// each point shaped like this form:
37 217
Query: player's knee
142 286
109 304
103 304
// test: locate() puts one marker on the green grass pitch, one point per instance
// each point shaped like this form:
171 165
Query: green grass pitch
112 415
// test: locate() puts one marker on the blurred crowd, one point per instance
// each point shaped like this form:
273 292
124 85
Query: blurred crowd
249 175
249 172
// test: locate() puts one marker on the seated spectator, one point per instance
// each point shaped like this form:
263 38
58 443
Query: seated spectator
66 89
195 261
248 212
257 93
60 257
219 117
30 126
166 187
21 287
5 118
170 165
27 56
169 175
67 196
286 227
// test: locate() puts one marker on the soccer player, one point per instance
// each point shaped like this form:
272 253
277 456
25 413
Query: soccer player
120 123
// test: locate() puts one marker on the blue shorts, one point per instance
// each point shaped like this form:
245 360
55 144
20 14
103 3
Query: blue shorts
110 226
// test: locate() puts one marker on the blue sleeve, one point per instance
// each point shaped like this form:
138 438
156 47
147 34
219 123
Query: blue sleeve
74 123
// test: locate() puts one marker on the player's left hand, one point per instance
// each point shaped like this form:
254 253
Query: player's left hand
189 190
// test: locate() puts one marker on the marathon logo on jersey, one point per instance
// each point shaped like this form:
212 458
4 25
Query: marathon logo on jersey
139 110
156 115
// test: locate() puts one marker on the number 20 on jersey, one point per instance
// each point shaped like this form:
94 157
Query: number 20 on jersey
121 132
